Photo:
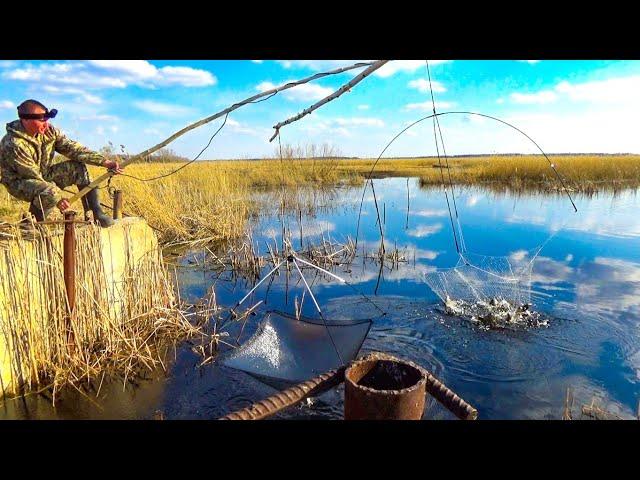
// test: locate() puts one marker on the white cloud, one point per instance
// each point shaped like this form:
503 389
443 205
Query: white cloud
257 61
363 107
135 68
430 213
424 230
358 121
395 66
614 90
95 74
318 65
92 99
545 96
422 85
65 74
184 76
238 127
623 91
6 104
162 108
99 117
82 96
428 105
531 62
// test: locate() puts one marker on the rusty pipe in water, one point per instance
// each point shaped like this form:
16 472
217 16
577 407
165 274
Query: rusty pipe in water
287 398
449 399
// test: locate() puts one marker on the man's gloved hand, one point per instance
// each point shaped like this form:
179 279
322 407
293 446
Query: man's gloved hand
63 204
113 165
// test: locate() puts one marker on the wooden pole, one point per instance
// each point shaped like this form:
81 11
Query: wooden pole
346 87
179 133
117 204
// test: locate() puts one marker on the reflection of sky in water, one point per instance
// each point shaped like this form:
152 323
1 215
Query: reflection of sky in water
587 278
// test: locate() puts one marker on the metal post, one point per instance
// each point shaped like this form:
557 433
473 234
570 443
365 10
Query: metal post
117 204
69 262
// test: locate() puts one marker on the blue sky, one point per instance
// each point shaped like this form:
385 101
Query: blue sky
576 106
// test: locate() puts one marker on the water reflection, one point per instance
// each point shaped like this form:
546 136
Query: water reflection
586 279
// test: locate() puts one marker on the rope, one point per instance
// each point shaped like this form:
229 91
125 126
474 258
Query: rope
435 120
453 113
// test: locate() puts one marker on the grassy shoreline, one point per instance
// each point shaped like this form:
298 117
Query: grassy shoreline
212 199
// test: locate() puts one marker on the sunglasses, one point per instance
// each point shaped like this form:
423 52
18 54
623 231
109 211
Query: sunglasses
39 116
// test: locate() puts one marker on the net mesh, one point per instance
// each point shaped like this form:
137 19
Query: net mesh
493 291
483 278
285 349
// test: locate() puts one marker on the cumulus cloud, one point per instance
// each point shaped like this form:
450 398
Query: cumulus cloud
96 74
430 213
99 117
424 230
422 85
545 96
159 108
6 104
410 66
616 91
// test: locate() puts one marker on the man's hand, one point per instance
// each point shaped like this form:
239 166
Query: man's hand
63 204
113 166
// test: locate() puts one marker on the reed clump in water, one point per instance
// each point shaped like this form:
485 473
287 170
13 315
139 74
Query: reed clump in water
116 326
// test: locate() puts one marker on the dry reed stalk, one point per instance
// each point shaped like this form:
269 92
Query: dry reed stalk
114 323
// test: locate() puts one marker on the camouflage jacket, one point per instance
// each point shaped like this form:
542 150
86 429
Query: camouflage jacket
23 156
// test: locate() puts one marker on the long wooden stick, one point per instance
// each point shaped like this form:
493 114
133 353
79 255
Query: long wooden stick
347 86
164 143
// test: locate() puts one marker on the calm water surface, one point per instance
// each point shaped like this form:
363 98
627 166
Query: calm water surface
586 281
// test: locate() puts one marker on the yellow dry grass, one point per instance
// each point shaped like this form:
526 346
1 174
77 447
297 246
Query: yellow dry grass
114 327
212 199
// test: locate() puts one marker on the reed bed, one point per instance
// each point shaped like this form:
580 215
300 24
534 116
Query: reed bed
212 200
114 327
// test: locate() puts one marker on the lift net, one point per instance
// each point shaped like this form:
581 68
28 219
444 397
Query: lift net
287 350
492 290
483 278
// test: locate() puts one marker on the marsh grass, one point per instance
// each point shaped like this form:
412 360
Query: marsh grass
211 200
106 333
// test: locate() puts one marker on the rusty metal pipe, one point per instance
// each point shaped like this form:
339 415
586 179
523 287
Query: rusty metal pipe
449 399
69 265
289 397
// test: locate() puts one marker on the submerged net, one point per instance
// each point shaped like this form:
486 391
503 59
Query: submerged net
483 278
287 350
493 291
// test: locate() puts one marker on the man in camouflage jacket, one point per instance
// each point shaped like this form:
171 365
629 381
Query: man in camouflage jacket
27 165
